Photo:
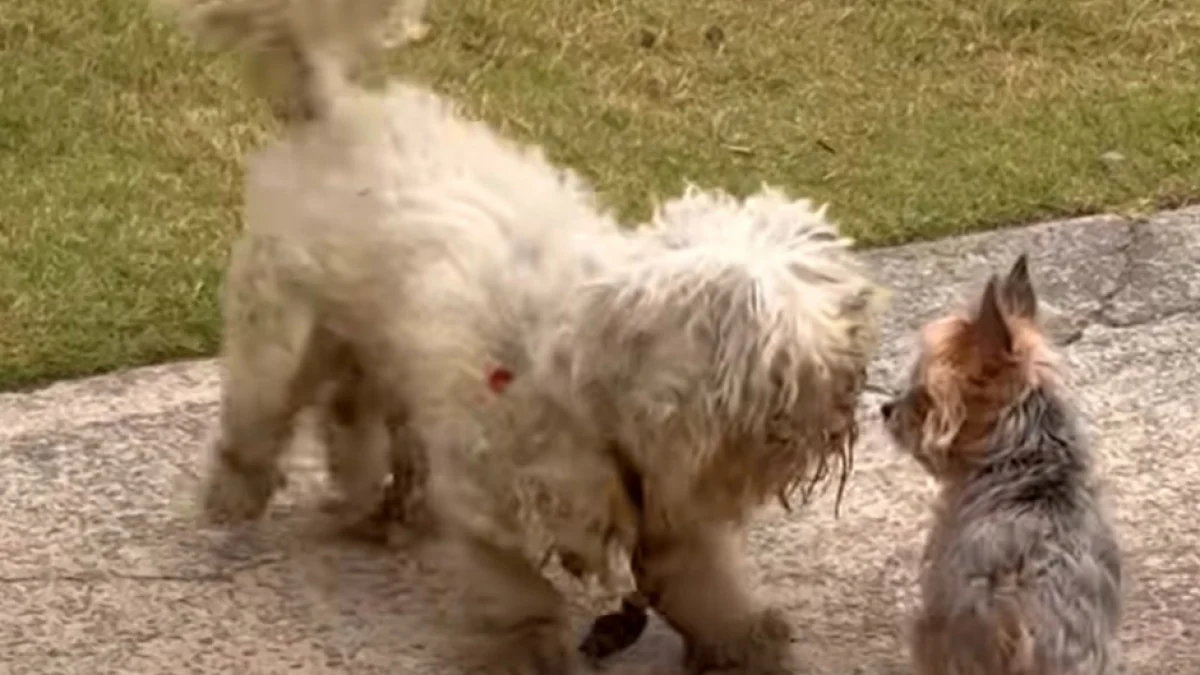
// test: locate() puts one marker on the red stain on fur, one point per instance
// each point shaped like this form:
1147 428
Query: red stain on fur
499 378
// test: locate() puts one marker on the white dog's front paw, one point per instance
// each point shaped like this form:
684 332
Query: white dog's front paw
542 655
351 520
763 648
237 495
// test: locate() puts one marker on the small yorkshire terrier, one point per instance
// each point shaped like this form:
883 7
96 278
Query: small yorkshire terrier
1022 571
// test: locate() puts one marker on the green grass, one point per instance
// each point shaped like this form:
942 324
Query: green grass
121 144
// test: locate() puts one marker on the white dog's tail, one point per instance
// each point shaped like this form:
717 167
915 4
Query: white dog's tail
301 52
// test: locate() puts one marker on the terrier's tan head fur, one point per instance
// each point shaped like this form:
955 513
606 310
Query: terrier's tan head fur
969 370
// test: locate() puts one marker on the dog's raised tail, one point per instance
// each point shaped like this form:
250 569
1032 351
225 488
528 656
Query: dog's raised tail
300 52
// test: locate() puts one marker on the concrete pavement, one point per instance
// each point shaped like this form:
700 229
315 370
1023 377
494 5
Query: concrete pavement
102 572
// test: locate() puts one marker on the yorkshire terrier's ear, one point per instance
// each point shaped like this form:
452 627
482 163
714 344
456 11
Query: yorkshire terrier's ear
992 335
1017 292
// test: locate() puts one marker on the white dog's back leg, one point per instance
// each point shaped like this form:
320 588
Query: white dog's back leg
357 451
272 366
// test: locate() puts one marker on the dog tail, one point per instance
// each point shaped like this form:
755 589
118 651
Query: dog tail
301 53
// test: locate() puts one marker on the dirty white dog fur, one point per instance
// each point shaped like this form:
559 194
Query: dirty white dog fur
579 390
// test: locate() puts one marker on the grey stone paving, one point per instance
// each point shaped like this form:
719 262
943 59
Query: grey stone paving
101 570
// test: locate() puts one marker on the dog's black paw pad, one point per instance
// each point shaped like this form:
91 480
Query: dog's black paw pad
614 632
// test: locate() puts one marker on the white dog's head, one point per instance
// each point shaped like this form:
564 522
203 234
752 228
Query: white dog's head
727 361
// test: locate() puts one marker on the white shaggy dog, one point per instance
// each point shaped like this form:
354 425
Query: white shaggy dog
577 389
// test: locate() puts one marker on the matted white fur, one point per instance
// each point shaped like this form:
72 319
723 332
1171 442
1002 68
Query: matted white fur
667 381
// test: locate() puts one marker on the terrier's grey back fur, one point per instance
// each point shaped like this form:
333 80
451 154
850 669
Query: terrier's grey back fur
1030 517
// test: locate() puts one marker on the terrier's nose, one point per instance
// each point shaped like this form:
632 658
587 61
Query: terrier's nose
886 409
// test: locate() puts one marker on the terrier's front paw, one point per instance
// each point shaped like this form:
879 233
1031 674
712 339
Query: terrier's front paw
233 496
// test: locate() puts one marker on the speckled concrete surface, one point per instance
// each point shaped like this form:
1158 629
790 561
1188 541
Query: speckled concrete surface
103 572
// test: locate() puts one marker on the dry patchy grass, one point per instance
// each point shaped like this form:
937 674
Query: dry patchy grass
120 144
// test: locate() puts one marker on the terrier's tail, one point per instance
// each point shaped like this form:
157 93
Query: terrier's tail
301 52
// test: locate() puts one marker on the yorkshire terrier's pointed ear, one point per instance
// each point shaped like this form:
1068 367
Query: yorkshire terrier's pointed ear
1017 293
992 334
